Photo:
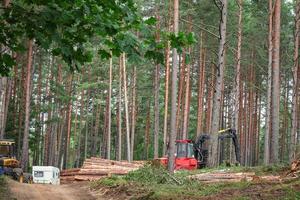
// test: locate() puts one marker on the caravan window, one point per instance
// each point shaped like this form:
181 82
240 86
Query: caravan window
38 174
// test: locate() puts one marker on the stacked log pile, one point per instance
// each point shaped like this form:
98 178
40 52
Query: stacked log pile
68 175
295 169
96 168
213 177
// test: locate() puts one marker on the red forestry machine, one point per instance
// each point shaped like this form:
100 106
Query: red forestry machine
193 154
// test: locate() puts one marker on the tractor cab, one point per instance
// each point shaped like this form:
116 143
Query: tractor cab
184 149
7 149
184 156
7 154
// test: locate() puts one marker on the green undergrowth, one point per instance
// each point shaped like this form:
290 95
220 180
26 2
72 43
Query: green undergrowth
156 183
152 182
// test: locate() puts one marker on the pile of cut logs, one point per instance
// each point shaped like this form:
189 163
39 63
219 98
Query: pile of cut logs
214 177
96 168
295 169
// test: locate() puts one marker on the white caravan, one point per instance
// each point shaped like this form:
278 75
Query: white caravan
45 174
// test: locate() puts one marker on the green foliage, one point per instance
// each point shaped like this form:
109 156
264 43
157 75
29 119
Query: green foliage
113 181
151 175
67 34
160 185
79 22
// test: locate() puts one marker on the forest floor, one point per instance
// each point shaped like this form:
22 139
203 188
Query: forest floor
152 183
149 183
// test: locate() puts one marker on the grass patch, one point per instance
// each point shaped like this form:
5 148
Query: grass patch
156 183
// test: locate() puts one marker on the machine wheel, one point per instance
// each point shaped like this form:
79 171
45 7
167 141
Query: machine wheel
17 174
28 178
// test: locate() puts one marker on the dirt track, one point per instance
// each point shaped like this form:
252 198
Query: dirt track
75 191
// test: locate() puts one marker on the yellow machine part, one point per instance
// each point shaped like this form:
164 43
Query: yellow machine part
10 162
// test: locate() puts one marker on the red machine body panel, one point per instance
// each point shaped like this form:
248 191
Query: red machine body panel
184 158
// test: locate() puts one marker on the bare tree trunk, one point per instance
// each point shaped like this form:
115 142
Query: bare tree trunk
6 3
180 95
126 108
38 125
75 134
296 76
269 100
87 119
119 157
186 114
133 117
213 143
25 148
80 129
156 87
156 109
274 149
257 149
49 115
5 93
147 132
167 83
238 96
21 108
210 96
68 122
201 85
173 131
285 122
109 111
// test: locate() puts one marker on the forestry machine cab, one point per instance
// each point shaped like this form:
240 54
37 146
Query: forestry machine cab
9 165
193 154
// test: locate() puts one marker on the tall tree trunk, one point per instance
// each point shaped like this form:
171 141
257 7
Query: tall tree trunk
109 110
173 131
126 108
156 87
21 108
25 148
238 96
49 115
210 96
274 148
80 129
119 157
201 85
213 143
38 117
167 83
75 134
5 94
6 3
180 94
68 121
133 114
186 114
269 95
296 76
147 132
156 109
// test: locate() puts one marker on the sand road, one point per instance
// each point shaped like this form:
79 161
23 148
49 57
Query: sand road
74 191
